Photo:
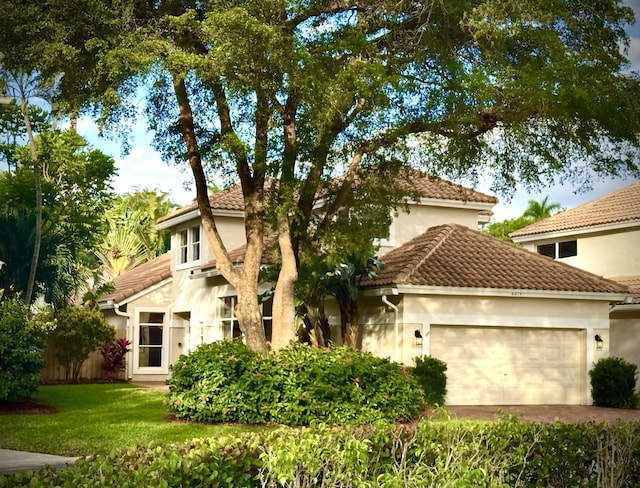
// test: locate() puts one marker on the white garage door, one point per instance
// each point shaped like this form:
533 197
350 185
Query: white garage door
510 366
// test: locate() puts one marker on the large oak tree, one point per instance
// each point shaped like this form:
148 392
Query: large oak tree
292 92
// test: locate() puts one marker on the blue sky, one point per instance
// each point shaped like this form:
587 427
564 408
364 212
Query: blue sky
143 168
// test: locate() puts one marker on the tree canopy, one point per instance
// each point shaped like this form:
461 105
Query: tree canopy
75 192
296 92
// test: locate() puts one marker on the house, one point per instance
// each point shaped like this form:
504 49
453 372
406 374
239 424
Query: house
603 237
514 327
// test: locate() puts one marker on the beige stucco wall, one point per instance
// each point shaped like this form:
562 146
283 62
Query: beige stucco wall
406 226
605 254
385 337
624 337
231 231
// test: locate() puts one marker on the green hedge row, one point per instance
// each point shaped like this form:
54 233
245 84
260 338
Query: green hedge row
227 382
507 453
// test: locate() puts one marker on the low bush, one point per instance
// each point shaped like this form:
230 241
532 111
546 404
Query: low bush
613 383
506 453
430 375
227 382
21 351
78 333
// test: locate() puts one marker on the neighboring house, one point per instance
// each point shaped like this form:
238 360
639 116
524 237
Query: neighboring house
601 236
513 327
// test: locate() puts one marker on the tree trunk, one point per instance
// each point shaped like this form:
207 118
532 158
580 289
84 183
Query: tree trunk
38 188
284 312
245 280
349 318
319 324
249 316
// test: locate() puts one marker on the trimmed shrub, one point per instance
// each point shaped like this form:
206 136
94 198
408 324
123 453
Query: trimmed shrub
613 383
78 333
227 382
506 453
430 375
21 351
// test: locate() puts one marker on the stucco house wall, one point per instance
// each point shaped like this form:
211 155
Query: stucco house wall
610 253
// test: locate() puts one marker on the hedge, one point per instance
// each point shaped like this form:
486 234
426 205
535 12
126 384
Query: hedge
506 453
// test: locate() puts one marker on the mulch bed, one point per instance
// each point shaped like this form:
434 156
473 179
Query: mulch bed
25 406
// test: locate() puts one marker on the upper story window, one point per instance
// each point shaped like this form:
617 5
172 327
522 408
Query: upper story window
556 250
189 246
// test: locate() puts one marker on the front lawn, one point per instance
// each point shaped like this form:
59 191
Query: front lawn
94 419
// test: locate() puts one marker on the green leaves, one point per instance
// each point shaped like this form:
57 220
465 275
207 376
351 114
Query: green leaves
21 351
227 382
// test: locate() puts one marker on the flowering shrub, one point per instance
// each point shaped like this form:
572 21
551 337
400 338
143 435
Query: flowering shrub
114 355
227 382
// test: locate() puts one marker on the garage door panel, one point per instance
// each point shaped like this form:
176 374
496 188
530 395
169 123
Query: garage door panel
509 365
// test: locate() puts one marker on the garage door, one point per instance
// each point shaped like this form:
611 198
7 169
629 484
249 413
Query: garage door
510 366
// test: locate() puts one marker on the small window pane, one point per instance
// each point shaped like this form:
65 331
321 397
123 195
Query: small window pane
567 249
548 250
195 244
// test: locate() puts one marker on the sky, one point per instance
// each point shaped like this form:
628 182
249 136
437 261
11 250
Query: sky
142 167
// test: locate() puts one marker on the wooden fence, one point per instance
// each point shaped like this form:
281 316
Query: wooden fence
91 368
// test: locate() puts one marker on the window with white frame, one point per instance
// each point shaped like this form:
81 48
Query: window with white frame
189 246
231 328
151 339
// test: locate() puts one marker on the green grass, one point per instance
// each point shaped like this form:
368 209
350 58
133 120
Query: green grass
95 419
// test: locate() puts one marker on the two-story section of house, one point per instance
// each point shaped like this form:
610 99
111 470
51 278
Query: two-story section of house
514 327
171 305
603 237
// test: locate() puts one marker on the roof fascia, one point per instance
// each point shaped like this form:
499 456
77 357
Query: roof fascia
195 214
507 292
576 231
467 204
626 307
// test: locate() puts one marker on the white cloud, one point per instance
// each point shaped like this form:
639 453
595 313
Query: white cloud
142 167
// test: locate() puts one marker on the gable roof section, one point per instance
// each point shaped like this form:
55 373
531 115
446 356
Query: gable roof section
436 188
633 283
617 207
140 278
427 186
455 256
230 199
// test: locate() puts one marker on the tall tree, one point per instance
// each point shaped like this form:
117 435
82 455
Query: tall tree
297 91
75 193
24 85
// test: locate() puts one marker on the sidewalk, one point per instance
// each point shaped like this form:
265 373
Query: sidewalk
15 461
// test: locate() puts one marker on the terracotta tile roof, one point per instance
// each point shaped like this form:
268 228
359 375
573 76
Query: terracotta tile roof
456 256
430 186
631 282
237 254
229 199
427 186
620 206
140 278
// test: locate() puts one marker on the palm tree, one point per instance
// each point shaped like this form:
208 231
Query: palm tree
132 237
542 209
